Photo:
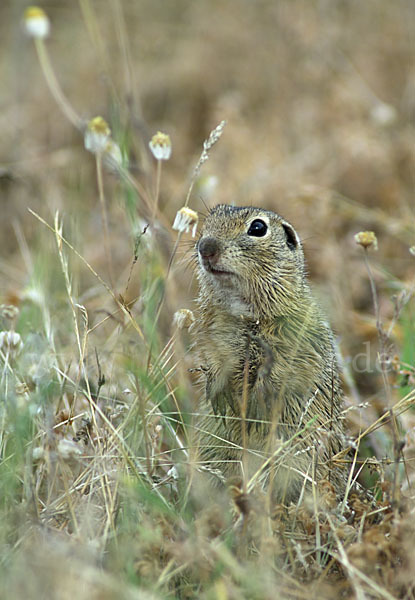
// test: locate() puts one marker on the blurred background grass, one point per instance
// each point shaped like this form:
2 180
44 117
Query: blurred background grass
319 99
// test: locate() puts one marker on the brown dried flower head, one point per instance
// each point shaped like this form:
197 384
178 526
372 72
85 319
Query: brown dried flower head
9 311
183 318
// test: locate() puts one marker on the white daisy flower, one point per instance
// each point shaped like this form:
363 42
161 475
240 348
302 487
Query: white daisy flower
186 218
160 146
36 22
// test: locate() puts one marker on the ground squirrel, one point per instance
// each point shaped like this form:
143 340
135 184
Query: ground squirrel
266 355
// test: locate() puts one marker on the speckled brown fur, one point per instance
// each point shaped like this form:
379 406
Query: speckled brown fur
266 353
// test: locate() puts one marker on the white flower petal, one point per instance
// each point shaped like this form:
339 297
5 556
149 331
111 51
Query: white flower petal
36 22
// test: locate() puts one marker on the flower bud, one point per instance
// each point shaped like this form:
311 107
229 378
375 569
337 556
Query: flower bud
112 156
36 22
160 146
366 239
97 135
10 343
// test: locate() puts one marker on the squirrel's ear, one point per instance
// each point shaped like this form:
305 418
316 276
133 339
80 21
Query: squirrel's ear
290 236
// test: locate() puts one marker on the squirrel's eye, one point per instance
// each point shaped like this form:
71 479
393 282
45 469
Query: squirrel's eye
258 228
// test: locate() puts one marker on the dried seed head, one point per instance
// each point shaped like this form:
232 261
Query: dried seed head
242 500
97 135
9 311
112 158
327 495
214 136
183 318
10 343
160 146
68 449
366 239
186 218
22 388
36 22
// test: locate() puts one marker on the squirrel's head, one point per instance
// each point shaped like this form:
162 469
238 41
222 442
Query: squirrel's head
251 262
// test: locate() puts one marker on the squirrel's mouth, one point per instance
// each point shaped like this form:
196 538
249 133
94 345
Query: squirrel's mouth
216 271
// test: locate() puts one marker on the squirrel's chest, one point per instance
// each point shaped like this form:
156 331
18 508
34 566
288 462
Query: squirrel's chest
225 344
243 361
231 355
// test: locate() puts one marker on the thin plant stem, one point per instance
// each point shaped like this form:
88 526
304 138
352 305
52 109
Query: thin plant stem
213 138
244 405
104 216
382 356
90 19
68 284
374 292
53 84
143 194
122 307
401 406
157 193
189 192
315 506
163 295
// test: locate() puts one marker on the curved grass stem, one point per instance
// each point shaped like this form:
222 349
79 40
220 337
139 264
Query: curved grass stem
104 217
53 84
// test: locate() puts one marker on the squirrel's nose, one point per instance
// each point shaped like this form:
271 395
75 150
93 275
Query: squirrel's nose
209 249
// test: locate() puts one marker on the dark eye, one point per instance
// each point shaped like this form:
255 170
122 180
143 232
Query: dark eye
258 228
